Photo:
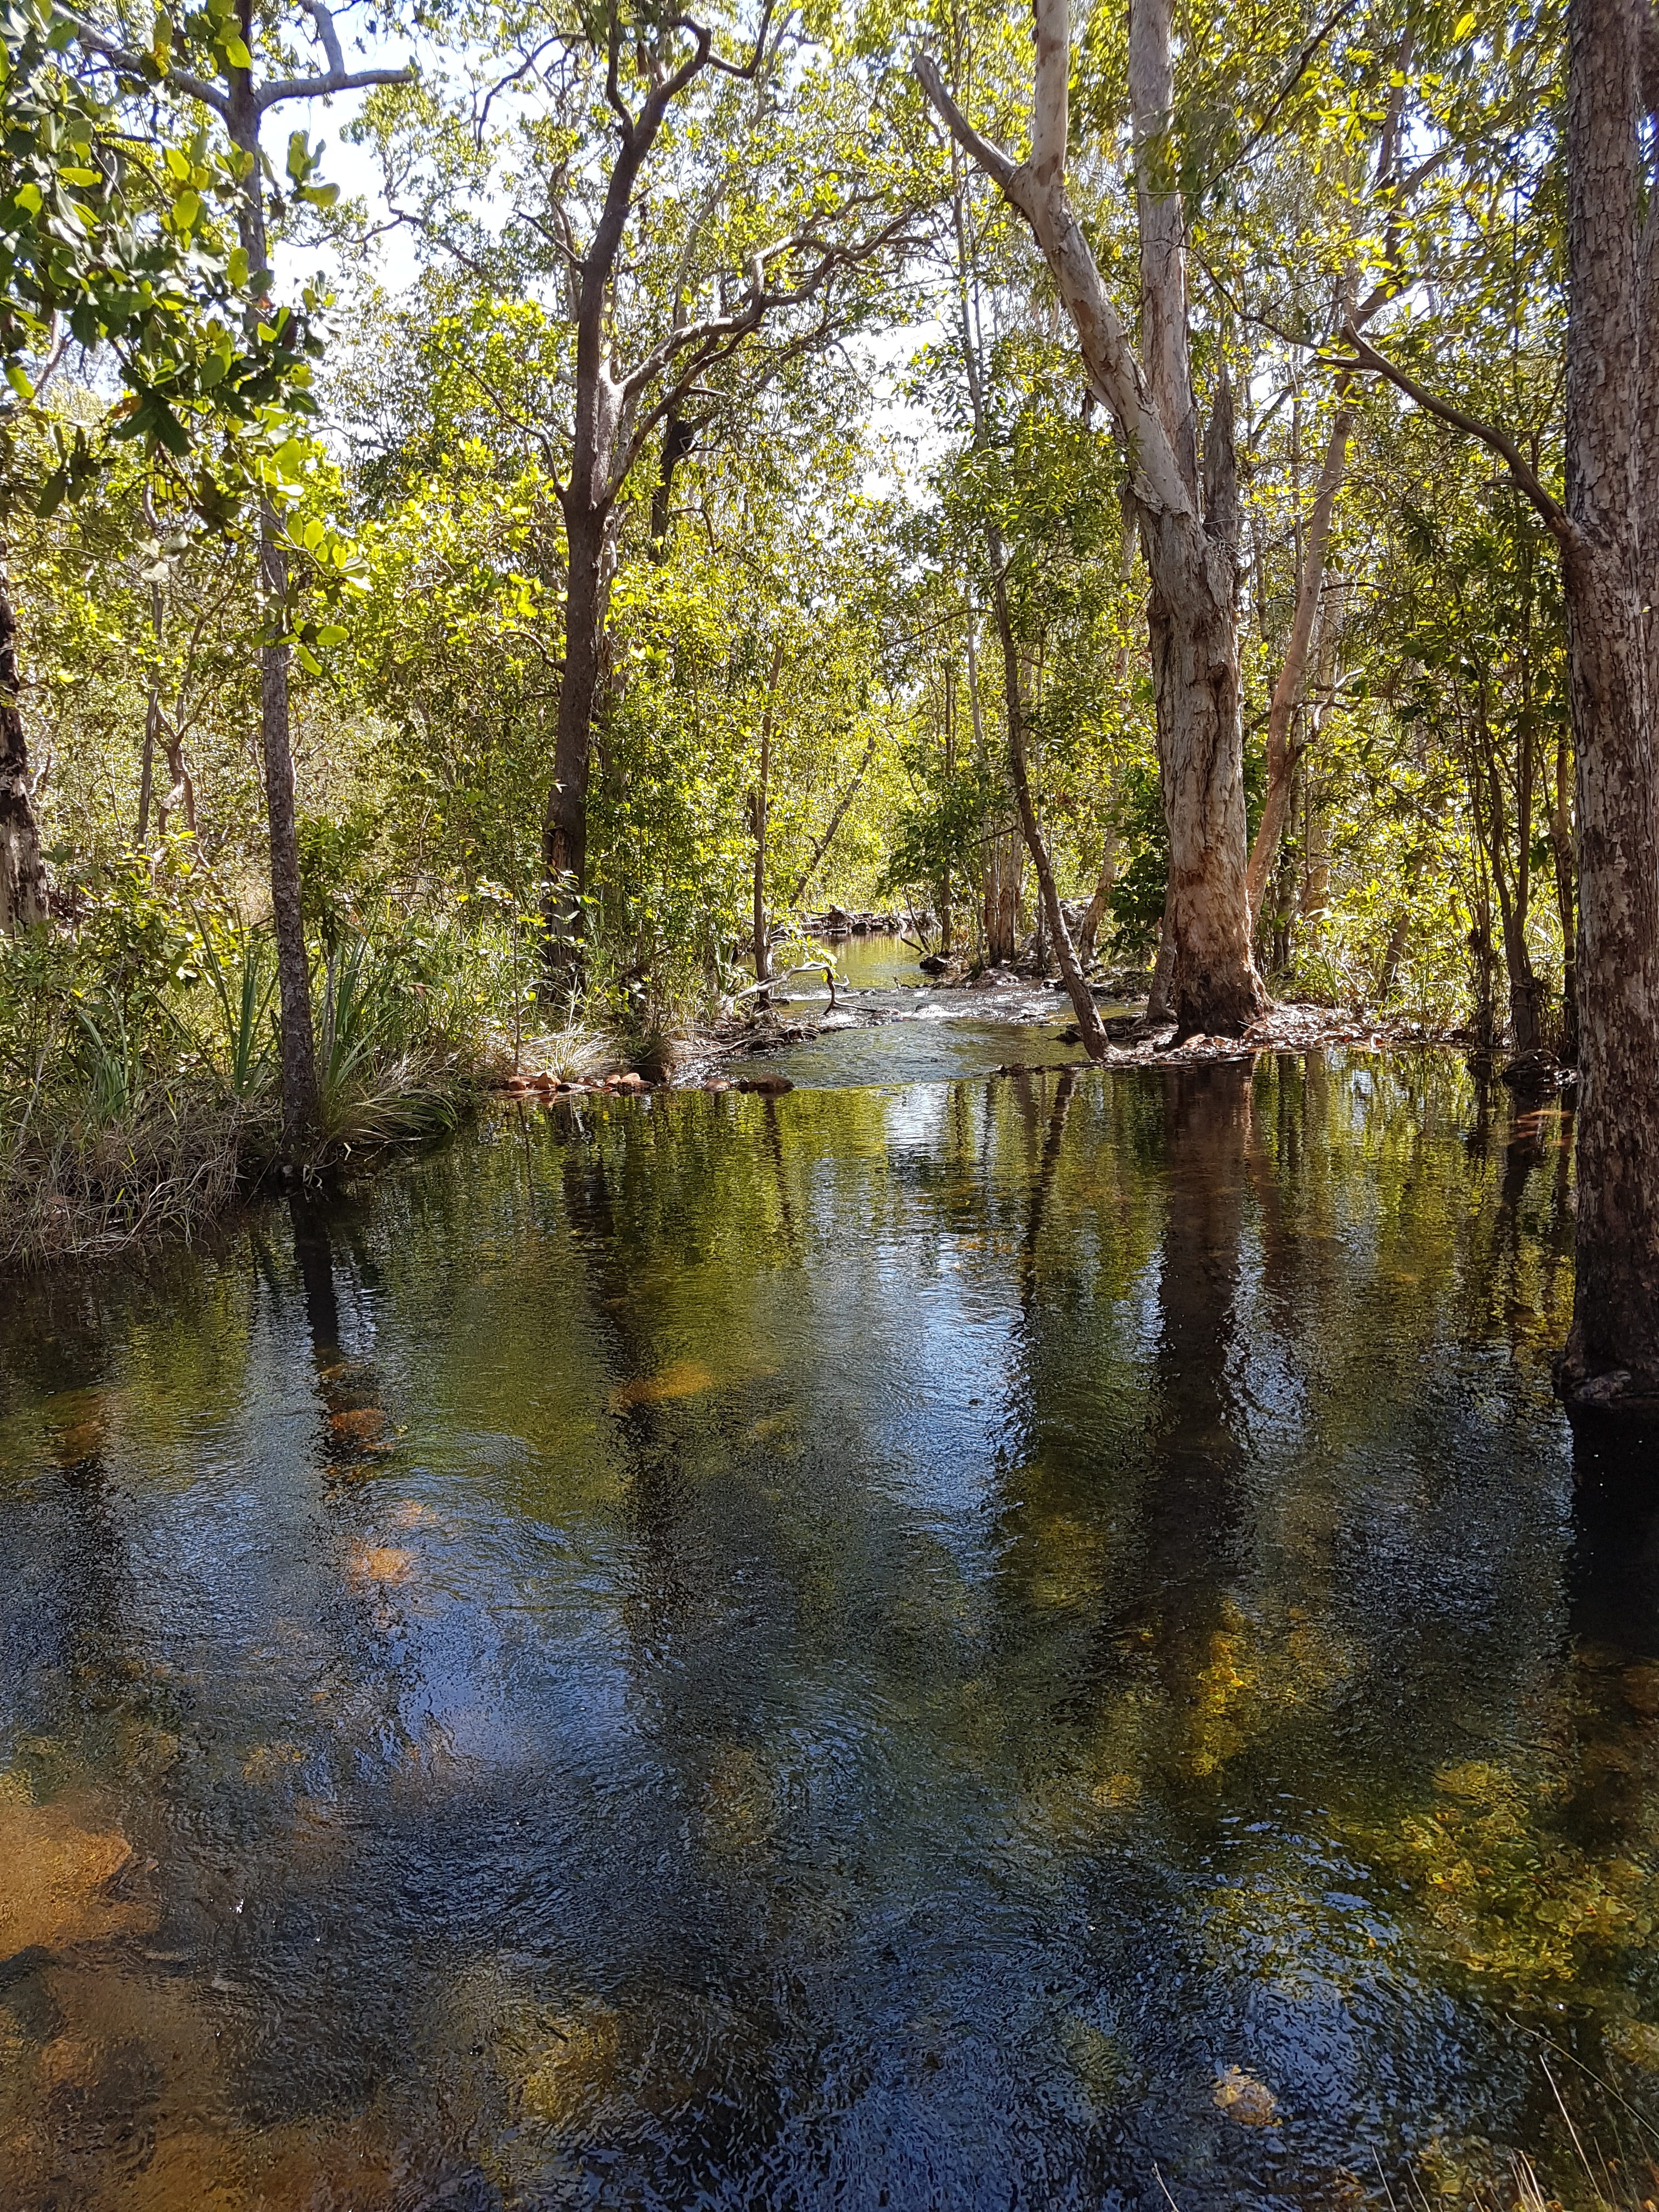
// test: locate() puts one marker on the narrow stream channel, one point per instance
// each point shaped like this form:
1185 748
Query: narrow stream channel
992 1641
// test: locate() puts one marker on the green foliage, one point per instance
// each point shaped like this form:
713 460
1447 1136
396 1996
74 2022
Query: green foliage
1135 902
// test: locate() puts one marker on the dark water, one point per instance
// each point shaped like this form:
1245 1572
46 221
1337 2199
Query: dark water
1006 1643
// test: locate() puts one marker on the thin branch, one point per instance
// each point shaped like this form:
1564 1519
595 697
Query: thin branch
501 85
543 438
1314 40
1555 517
612 65
139 65
746 69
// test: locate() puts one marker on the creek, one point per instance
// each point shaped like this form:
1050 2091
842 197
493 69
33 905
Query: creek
940 1640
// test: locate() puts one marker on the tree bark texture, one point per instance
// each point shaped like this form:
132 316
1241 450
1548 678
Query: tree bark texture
1192 562
300 1103
564 840
1608 558
22 872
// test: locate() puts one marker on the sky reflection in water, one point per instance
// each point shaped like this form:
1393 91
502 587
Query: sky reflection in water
969 1641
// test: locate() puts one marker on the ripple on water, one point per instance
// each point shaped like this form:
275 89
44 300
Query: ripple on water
938 1642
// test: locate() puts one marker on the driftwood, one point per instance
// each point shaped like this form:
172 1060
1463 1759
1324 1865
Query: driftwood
823 967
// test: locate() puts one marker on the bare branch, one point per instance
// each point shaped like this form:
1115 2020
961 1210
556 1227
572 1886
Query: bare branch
990 157
325 30
319 88
140 65
502 83
1555 517
705 338
746 69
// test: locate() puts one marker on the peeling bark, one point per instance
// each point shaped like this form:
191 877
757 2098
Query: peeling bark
1609 554
1192 555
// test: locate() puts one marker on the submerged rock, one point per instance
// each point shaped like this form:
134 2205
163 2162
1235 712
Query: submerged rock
1247 2100
768 1086
54 1889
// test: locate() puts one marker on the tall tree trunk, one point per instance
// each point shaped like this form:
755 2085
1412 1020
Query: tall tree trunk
564 837
1282 755
300 1105
22 872
301 1101
757 804
1610 564
1193 612
1191 556
1095 912
1077 989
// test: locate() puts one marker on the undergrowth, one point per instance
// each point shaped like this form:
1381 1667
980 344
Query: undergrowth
139 1054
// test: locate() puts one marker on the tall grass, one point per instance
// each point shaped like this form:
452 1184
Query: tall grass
139 1064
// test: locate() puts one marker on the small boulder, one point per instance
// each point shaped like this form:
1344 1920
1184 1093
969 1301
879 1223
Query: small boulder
1243 2098
768 1086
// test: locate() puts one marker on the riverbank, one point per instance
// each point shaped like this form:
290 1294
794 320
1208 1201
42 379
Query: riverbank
122 1136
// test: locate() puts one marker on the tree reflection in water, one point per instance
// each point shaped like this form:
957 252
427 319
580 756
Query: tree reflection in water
969 1641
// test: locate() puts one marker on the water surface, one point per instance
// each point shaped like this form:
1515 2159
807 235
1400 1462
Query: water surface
1012 1642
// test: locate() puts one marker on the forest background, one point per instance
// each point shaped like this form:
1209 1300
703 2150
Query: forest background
830 430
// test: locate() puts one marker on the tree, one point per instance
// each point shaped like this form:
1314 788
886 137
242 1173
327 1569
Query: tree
227 34
111 243
1190 539
1608 531
655 172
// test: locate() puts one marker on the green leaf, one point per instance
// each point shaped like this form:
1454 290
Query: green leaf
185 209
235 51
237 267
307 660
18 379
1463 26
28 196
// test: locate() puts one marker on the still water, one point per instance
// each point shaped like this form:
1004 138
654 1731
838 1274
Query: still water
1019 1642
